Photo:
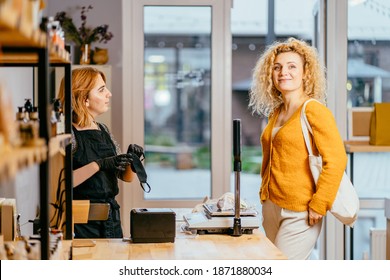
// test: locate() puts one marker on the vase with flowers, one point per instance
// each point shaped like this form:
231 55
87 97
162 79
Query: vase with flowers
84 35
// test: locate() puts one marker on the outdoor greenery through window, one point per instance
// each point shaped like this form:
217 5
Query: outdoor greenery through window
177 102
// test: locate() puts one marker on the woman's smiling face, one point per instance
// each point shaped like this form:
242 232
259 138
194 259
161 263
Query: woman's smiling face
288 72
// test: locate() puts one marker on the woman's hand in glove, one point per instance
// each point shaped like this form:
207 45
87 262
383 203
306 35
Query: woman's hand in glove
114 163
135 149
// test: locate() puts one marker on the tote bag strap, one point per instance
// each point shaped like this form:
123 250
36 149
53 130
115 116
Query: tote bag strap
306 128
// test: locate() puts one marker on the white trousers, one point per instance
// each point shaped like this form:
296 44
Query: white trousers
290 231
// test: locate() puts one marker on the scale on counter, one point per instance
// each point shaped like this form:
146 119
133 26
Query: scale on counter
203 223
214 220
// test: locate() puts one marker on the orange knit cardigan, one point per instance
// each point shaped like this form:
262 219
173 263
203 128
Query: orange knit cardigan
286 177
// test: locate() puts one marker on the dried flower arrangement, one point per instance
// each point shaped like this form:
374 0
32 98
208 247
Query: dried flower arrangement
83 34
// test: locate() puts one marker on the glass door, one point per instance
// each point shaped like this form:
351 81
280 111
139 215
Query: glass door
179 99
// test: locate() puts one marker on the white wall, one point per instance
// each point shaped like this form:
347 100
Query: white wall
103 12
17 82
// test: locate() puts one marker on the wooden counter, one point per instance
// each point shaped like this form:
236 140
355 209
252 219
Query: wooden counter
186 247
199 247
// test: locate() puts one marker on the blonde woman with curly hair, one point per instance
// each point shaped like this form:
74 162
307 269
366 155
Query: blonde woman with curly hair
285 76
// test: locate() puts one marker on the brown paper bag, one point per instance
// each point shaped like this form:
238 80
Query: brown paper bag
380 125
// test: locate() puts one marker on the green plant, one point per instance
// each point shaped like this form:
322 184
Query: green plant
202 158
251 159
83 34
159 140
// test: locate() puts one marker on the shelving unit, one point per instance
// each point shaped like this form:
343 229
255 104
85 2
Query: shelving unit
23 46
13 160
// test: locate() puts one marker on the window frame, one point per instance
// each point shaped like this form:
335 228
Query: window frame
133 97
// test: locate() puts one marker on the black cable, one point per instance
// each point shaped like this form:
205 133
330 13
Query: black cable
60 208
58 204
60 179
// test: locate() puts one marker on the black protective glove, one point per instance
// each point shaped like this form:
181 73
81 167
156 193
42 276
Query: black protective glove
114 163
137 155
137 150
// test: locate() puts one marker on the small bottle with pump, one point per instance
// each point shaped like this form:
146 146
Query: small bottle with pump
20 126
34 123
60 117
55 117
28 108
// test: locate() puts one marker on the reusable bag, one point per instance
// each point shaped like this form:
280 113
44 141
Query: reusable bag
380 125
346 205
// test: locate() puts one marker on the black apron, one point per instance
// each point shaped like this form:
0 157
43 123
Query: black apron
101 187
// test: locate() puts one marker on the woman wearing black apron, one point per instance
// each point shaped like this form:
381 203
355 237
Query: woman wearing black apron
97 161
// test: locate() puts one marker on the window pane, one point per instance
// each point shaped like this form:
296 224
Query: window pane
371 175
368 49
369 219
298 24
177 101
368 83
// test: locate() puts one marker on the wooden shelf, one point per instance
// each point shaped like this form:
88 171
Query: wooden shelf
58 143
364 147
62 252
14 159
58 55
16 31
55 56
22 44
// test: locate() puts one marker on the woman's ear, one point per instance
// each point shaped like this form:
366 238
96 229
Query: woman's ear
87 102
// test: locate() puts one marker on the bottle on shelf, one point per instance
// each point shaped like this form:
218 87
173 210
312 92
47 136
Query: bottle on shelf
58 119
34 124
27 121
20 126
53 122
61 124
28 107
56 36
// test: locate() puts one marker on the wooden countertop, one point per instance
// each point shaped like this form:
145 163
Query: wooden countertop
197 247
186 247
364 147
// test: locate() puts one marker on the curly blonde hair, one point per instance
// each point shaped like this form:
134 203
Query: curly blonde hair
264 98
83 81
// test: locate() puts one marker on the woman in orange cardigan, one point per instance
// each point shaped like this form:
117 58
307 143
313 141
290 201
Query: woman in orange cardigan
285 76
